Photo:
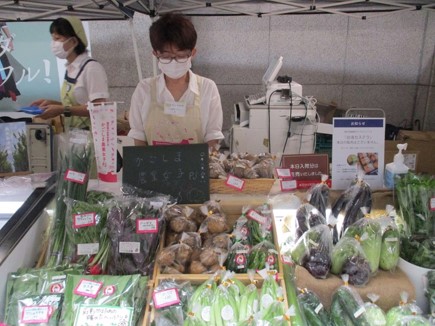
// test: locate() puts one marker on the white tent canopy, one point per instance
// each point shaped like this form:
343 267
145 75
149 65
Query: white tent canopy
30 10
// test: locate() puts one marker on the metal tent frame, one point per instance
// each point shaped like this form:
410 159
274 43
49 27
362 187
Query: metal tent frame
31 10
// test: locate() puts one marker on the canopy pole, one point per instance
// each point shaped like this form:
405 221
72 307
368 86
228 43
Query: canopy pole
136 51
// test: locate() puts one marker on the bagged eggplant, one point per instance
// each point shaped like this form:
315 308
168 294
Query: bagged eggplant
368 232
313 251
318 195
307 216
349 258
346 210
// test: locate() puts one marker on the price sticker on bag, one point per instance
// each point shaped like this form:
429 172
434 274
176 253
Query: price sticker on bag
235 182
253 215
166 298
83 220
88 288
75 176
129 247
147 225
87 248
288 185
283 173
432 204
36 314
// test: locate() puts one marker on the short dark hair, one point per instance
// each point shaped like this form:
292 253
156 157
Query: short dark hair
62 27
174 29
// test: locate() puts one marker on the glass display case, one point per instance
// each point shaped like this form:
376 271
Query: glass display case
25 214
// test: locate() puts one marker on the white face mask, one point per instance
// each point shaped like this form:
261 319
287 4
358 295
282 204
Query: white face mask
58 50
175 69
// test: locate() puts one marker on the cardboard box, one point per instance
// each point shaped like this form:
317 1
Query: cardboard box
421 143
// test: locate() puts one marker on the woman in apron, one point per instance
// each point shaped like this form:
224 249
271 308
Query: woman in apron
85 79
177 106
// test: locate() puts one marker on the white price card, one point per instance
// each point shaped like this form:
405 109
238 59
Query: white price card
432 204
288 185
235 182
129 247
283 173
96 315
147 225
88 288
87 248
83 220
74 176
253 215
165 298
36 314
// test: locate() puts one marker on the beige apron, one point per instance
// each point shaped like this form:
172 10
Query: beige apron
68 99
166 129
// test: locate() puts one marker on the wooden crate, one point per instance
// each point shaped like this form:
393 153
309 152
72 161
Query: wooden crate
232 210
260 186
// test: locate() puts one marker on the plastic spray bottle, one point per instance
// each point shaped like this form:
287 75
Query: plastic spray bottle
396 167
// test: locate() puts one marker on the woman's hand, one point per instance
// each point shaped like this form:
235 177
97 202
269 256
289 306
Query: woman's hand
51 111
42 102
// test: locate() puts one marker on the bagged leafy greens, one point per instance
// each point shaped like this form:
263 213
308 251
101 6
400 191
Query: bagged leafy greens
390 248
107 299
404 309
375 315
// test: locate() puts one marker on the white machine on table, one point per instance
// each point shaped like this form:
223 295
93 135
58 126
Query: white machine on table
278 122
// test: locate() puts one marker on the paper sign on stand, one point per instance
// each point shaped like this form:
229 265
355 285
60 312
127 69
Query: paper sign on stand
358 149
104 132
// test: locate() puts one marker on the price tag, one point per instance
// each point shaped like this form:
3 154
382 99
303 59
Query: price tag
283 173
95 315
359 312
74 176
36 314
288 185
318 308
129 247
253 215
87 248
88 288
83 220
286 260
432 204
235 182
147 225
166 298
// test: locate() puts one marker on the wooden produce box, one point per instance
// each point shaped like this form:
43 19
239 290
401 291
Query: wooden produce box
260 186
232 210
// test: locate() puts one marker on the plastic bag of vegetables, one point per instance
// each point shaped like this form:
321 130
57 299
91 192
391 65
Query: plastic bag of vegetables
135 226
390 248
241 230
104 299
313 251
307 216
261 254
318 195
313 308
414 321
225 306
170 301
405 308
346 210
260 223
249 299
199 305
349 258
237 260
368 232
375 315
347 307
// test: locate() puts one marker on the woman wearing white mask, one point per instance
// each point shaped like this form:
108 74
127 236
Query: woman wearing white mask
177 106
85 79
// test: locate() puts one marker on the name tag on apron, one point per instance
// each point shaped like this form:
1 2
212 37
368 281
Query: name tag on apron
175 108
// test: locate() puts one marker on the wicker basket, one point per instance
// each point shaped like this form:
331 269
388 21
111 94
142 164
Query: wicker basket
260 186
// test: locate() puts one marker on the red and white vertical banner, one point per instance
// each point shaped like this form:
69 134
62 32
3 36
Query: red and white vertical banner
104 132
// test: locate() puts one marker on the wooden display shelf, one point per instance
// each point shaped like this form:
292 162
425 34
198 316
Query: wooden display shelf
260 186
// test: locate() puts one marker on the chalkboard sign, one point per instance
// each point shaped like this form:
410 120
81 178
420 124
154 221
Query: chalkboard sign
178 170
